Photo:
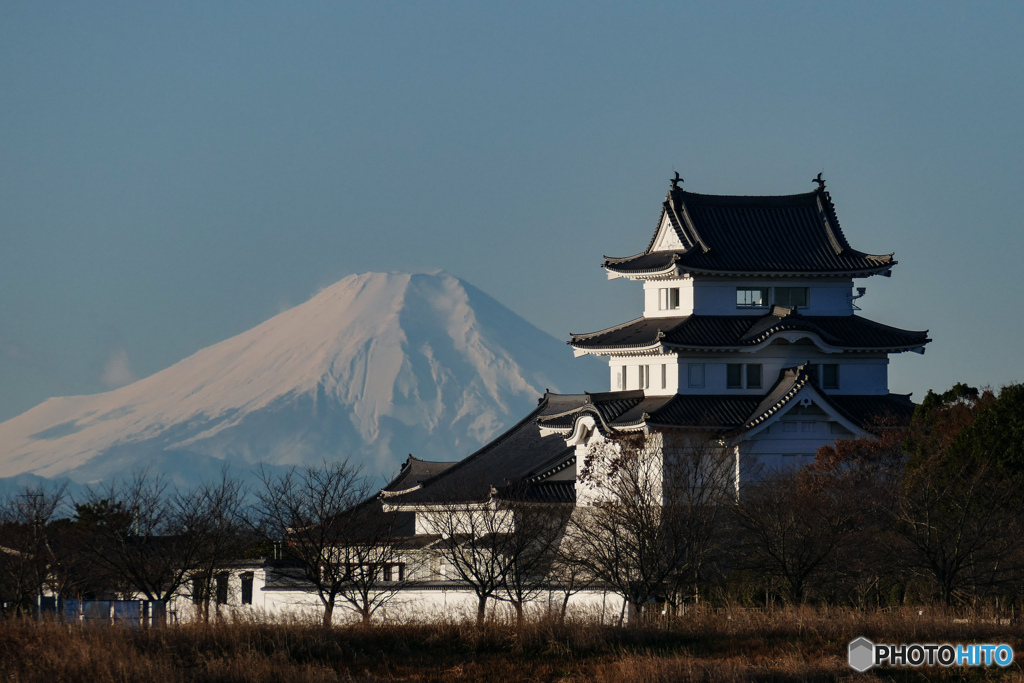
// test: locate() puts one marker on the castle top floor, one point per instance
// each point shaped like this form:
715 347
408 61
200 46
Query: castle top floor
759 237
685 295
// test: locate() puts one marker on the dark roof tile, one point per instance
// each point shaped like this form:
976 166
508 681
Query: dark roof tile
712 332
786 235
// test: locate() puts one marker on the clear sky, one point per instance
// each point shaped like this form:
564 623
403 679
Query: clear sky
174 173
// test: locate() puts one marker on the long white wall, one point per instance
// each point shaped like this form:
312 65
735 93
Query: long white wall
858 373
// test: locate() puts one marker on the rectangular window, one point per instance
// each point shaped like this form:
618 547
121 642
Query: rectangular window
734 375
222 589
668 298
751 297
200 589
664 376
806 426
247 588
791 297
753 376
830 376
645 376
620 378
740 376
695 375
387 572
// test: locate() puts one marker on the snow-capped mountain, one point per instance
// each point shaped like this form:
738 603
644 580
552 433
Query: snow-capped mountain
372 368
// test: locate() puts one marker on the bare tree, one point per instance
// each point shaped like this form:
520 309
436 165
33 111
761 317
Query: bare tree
570 572
960 526
654 521
791 531
216 514
145 535
27 558
502 548
530 547
344 543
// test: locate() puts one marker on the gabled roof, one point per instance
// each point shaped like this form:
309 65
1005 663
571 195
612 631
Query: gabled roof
414 471
519 454
735 235
735 332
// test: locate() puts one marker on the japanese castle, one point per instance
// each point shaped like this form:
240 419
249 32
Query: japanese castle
748 338
749 334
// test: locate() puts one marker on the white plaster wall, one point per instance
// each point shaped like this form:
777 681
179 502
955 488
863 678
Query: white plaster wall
686 296
632 366
857 374
600 454
717 296
463 521
413 604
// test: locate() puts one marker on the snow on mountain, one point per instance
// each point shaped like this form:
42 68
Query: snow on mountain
372 368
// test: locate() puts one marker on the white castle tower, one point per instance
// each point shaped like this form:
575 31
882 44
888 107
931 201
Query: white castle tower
749 332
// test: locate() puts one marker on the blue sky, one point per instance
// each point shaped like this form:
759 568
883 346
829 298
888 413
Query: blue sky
174 173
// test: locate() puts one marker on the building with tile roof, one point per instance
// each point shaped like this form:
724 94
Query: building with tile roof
749 339
749 334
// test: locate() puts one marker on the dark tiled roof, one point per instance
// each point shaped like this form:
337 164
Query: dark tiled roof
712 332
414 471
874 410
510 458
621 409
543 492
792 235
705 411
729 413
790 382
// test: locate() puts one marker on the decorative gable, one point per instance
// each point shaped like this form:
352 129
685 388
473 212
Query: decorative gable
667 238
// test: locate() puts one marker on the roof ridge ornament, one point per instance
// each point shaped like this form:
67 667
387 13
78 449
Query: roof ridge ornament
675 181
819 180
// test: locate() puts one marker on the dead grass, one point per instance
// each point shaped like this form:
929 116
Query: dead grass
702 645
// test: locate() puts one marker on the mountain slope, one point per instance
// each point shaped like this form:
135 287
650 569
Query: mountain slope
373 367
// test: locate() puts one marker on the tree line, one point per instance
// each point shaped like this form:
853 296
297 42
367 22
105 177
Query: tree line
920 512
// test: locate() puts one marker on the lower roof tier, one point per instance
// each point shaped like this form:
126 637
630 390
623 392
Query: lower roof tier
630 410
739 332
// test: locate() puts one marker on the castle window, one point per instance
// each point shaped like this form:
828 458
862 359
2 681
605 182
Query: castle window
247 588
668 298
695 375
645 376
736 373
753 376
751 297
830 376
222 588
791 297
664 376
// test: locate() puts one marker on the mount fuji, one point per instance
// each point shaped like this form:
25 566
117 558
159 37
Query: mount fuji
371 368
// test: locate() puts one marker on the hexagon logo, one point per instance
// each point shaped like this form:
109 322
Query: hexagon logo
862 654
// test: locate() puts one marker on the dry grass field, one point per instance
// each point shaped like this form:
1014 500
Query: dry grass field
739 645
